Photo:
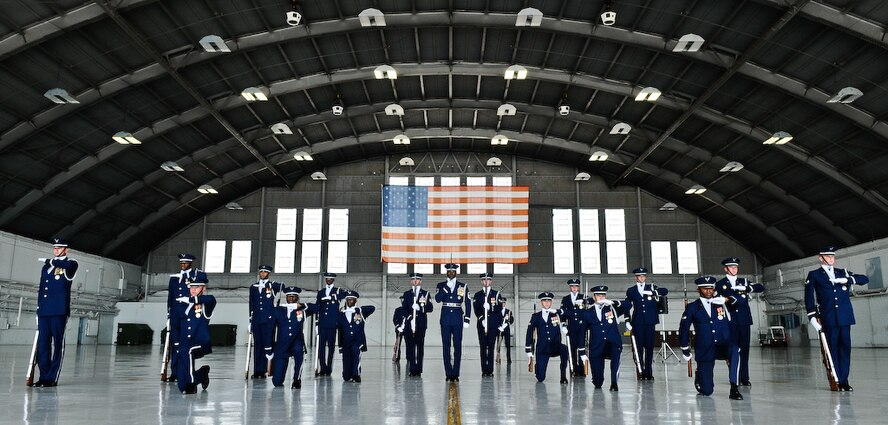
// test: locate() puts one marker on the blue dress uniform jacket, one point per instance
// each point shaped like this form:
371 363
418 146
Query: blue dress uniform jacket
644 319
415 338
53 309
194 336
547 344
605 339
713 341
327 321
487 339
263 296
575 316
455 310
290 330
741 316
831 305
353 340
508 320
177 288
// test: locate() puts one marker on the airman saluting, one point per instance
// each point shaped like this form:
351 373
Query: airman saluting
352 339
53 309
194 313
178 288
741 316
455 316
642 299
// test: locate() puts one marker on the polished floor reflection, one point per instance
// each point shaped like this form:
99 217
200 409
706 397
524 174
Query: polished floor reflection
120 385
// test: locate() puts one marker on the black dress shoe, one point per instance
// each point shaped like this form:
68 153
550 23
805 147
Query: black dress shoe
745 384
356 379
598 387
846 387
56 384
191 389
171 378
297 383
735 393
564 380
206 381
614 387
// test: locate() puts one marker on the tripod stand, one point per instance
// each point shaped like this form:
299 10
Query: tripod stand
666 350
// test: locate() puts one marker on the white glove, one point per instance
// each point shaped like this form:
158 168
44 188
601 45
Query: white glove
628 326
584 358
564 330
529 355
400 329
183 300
483 323
687 357
416 306
839 280
605 302
816 324
327 298
42 260
487 306
718 300
647 293
502 328
465 325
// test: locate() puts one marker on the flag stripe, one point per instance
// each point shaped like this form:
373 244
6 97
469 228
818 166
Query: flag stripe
395 236
486 247
476 225
479 212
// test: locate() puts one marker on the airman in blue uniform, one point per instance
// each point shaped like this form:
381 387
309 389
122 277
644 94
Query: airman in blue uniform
487 312
547 326
352 339
828 303
53 309
289 320
263 297
178 288
455 316
417 303
328 301
710 319
194 312
741 316
506 332
399 319
574 307
605 340
642 299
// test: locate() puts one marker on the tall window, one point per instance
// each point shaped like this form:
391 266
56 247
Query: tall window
562 245
661 257
337 245
312 223
615 235
241 252
400 268
590 248
215 257
499 268
686 251
285 245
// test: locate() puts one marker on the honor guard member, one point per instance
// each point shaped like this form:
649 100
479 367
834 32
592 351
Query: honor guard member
828 304
713 341
506 328
263 296
605 340
399 319
456 314
574 310
418 305
741 316
53 309
178 288
194 313
487 311
352 339
642 300
548 327
328 311
289 321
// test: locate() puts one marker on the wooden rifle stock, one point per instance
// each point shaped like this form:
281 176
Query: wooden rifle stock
29 378
165 357
828 362
690 366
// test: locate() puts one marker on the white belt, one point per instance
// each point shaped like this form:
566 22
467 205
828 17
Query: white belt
454 305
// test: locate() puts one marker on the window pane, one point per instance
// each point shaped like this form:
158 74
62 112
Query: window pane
563 257
338 225
616 257
337 257
286 224
661 257
215 253
311 257
476 181
476 269
562 225
615 225
499 269
590 258
424 268
312 222
502 181
450 181
424 181
588 225
241 252
687 257
285 257
399 180
396 268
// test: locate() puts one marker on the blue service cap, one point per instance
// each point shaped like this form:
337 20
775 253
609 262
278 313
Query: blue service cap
705 282
640 271
573 281
201 282
502 299
328 275
828 250
186 258
59 242
416 276
292 290
486 276
731 261
545 296
600 289
265 268
451 266
352 294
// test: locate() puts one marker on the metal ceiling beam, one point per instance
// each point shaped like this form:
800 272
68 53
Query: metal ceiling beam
378 138
870 31
653 42
713 88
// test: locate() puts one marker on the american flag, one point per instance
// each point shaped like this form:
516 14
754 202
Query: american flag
458 224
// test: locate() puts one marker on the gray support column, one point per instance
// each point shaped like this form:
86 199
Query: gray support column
641 243
261 226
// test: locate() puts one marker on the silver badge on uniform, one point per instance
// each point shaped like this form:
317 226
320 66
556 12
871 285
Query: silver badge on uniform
844 288
56 277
